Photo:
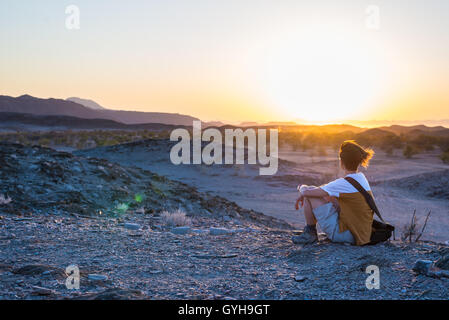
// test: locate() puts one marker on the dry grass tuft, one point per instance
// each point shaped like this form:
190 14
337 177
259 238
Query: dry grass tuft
410 231
175 219
4 200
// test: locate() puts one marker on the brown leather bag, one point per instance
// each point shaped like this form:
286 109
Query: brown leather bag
381 230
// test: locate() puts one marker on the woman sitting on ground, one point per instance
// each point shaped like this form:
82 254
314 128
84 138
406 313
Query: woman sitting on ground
340 210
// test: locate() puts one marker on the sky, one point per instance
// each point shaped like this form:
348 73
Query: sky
318 61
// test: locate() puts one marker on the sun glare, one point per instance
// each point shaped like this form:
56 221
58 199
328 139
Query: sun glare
324 76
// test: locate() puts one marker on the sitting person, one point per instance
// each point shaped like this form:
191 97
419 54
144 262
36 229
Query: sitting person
339 209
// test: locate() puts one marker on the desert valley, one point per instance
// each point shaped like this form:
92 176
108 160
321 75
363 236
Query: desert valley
104 195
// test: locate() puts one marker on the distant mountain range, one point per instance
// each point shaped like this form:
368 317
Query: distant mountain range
12 121
403 123
86 102
59 107
30 113
398 129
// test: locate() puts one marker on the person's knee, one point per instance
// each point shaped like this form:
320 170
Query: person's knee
316 202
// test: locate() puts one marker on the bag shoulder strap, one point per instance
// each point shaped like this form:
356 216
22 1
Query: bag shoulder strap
369 199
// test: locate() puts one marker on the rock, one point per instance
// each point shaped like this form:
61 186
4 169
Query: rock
77 169
423 267
237 222
443 262
156 271
219 231
135 235
199 231
39 269
39 291
97 277
300 278
440 274
215 256
227 218
114 294
181 230
132 226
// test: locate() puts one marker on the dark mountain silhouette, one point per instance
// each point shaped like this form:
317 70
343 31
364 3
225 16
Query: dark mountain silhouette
29 104
11 121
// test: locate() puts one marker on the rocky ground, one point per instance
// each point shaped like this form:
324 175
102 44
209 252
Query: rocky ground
155 263
108 220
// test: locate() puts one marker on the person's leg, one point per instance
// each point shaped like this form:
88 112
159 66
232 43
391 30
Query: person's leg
308 213
309 234
327 217
309 205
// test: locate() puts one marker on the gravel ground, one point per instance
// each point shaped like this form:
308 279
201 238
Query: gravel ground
154 263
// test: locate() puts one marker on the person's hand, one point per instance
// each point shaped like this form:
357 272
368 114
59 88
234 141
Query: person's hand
299 201
334 202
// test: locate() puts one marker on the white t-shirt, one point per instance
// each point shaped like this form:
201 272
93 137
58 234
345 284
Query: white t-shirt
334 188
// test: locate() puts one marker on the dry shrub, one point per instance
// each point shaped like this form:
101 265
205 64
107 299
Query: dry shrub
411 231
175 219
4 200
140 210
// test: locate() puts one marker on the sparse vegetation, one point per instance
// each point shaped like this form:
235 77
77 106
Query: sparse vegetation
445 157
312 139
175 219
409 151
411 231
315 139
80 139
4 200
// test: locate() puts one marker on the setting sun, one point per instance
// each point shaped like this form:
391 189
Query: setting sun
321 76
316 62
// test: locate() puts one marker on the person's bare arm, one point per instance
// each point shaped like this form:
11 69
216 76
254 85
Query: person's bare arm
307 191
314 192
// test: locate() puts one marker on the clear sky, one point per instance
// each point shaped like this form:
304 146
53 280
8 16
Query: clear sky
235 60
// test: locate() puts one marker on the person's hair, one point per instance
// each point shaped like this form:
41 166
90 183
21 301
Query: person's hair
352 155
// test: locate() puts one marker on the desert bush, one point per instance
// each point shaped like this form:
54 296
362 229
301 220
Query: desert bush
175 219
410 231
425 142
4 200
410 151
445 157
